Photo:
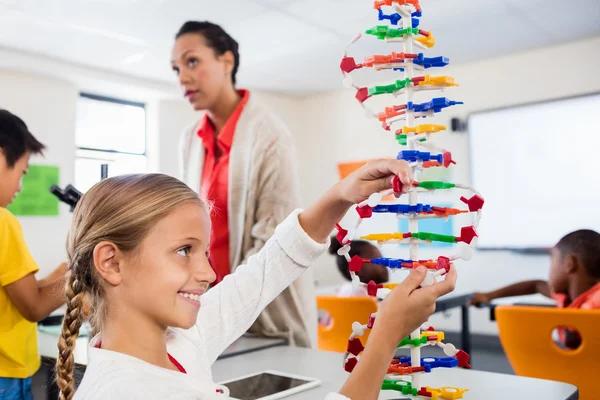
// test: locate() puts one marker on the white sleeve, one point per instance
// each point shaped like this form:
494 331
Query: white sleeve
228 310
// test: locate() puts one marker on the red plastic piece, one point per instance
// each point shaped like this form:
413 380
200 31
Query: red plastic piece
371 322
348 64
362 94
385 126
350 364
418 79
475 203
448 159
431 329
355 264
415 184
467 233
365 211
355 346
432 338
406 235
424 392
397 185
463 359
424 33
372 288
443 263
341 235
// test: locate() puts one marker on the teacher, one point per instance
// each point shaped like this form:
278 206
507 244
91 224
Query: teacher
241 158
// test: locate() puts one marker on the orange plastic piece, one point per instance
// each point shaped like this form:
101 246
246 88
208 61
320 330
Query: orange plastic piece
427 41
343 312
390 112
380 3
429 164
525 333
437 81
429 264
446 211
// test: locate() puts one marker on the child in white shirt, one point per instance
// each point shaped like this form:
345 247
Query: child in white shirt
137 249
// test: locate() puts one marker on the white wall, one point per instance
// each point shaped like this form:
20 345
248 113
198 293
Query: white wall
47 107
335 129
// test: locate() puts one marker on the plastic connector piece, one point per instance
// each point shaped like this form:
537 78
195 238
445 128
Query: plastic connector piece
371 321
372 288
443 263
436 185
341 235
355 264
350 364
355 346
463 359
365 211
467 233
362 94
475 203
397 184
348 64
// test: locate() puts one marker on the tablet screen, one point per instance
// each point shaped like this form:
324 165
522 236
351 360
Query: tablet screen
261 385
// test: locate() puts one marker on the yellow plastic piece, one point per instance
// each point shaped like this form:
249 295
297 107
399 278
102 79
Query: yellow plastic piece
439 334
427 41
343 311
423 128
443 80
390 286
446 392
525 333
383 237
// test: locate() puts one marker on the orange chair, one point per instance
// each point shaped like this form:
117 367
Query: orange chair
526 336
343 311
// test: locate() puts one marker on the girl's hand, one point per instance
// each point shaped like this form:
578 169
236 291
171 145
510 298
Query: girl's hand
375 176
477 299
408 306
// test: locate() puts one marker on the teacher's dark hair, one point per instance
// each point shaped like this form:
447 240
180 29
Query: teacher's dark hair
216 38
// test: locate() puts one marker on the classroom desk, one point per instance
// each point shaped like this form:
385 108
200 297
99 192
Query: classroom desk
327 367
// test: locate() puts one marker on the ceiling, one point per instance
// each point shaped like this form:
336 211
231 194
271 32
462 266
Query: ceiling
288 46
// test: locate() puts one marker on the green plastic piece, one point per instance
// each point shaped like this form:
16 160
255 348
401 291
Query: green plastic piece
434 237
385 32
415 342
436 185
405 389
401 139
391 88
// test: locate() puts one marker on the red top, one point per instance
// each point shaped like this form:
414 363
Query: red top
215 184
589 300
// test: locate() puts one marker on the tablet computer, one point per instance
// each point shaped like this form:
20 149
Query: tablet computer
268 385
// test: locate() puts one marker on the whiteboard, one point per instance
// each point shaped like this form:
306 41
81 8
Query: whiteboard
538 168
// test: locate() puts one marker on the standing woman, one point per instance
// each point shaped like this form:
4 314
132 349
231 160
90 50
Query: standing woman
242 158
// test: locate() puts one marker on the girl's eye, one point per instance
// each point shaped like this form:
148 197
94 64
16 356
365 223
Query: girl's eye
185 251
192 62
176 70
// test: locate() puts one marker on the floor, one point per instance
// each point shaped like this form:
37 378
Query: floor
486 355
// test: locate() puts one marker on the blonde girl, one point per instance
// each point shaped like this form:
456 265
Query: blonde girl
137 248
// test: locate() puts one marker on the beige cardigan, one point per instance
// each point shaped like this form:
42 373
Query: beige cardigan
263 190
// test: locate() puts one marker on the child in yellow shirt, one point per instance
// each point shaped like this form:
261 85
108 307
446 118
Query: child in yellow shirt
23 299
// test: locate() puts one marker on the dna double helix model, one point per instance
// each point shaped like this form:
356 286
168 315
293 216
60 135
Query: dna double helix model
400 29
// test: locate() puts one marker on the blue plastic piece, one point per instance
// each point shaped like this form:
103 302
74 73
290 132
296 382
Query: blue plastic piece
401 208
395 18
415 155
428 62
444 362
437 104
389 262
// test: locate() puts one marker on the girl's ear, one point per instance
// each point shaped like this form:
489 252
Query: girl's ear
106 261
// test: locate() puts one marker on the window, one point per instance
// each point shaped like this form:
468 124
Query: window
108 131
